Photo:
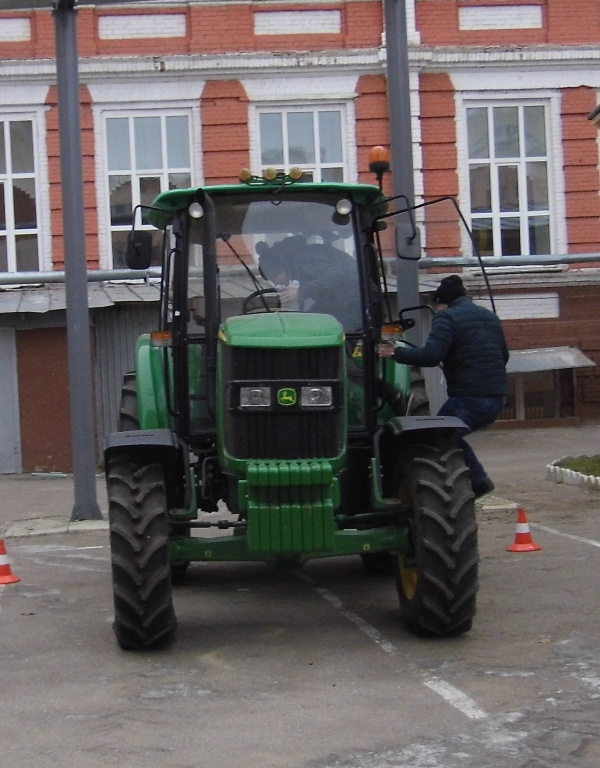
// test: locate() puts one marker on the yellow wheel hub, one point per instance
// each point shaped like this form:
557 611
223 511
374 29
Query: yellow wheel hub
409 578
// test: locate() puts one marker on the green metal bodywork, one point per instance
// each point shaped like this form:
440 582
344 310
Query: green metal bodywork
288 509
153 412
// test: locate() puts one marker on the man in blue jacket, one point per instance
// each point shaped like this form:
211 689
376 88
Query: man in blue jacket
469 343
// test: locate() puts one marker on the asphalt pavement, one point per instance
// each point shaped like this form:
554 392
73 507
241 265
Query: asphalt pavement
310 668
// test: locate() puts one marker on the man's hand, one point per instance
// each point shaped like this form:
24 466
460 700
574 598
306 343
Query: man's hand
289 294
385 349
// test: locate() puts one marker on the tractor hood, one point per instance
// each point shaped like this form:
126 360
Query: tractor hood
282 330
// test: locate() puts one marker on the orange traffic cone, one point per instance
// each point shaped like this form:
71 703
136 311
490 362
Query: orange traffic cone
523 541
6 574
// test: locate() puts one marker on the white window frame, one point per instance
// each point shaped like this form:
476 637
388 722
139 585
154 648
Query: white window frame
36 116
305 94
143 99
318 166
556 191
137 174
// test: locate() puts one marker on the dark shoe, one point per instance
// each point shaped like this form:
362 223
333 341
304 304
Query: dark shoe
482 487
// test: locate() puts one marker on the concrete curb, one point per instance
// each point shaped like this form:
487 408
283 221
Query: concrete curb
557 474
51 525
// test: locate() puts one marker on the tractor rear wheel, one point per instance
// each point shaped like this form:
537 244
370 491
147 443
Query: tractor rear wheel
437 580
139 541
128 409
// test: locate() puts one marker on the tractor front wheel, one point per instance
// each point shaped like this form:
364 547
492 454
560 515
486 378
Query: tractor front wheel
437 580
139 541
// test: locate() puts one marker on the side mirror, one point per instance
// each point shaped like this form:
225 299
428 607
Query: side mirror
408 241
139 249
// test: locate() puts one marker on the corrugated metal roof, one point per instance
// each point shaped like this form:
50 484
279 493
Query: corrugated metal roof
547 359
52 297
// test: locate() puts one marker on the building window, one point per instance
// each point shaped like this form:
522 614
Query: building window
311 139
19 250
147 154
509 179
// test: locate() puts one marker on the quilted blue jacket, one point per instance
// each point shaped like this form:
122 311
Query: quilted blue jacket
469 342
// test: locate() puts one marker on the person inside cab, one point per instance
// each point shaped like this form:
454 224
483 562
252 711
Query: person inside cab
313 277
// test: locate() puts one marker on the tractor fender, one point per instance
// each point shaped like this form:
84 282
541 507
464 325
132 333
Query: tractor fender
401 431
149 446
400 425
146 445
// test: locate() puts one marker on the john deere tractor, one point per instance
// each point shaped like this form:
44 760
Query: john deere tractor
259 424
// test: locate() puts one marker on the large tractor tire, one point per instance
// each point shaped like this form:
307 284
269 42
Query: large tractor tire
418 401
129 420
141 568
437 581
128 409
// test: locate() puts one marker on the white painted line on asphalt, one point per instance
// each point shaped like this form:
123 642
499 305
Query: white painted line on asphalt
33 549
448 692
364 626
74 558
582 539
457 698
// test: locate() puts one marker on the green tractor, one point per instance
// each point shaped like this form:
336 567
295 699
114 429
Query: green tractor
259 423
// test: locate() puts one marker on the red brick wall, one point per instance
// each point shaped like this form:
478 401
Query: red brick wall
438 23
225 140
363 24
572 22
219 28
440 161
372 127
580 152
89 189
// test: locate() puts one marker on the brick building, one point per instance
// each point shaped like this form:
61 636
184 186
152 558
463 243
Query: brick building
184 93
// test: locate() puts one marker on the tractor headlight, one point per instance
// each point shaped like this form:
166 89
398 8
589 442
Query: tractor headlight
316 397
255 397
282 396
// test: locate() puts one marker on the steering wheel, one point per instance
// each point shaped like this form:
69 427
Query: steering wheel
264 306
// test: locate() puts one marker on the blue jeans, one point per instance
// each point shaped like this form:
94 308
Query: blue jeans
477 413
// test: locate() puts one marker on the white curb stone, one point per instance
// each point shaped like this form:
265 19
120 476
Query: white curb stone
558 474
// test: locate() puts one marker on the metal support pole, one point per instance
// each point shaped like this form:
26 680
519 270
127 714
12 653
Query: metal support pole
78 325
398 86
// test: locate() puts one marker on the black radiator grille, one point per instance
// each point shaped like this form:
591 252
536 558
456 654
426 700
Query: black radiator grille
292 434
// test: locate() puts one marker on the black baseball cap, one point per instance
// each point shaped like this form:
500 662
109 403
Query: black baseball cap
450 288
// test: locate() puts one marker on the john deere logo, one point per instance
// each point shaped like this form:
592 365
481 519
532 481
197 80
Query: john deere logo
287 396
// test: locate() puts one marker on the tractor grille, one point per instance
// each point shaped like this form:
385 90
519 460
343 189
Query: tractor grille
288 433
